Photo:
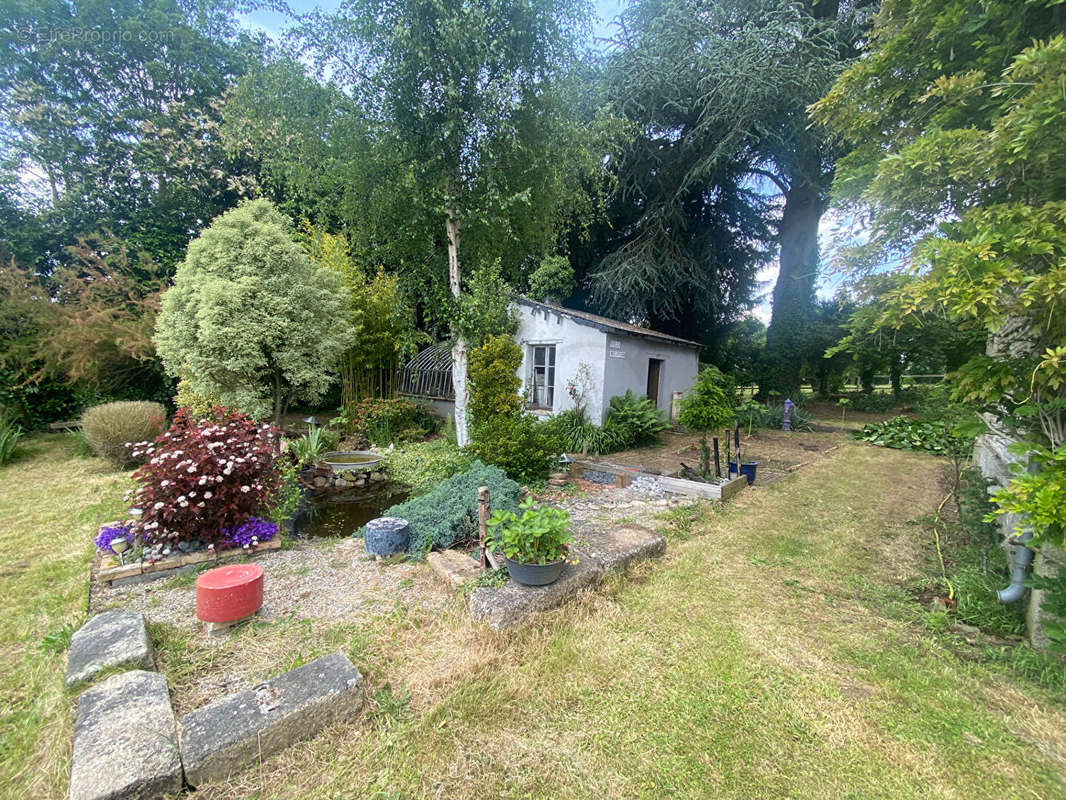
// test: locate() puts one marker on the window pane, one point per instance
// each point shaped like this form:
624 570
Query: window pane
551 398
538 356
551 356
551 377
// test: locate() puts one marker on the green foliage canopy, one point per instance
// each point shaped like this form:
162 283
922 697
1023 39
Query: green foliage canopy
250 318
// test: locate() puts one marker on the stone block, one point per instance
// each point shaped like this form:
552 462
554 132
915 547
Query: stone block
237 731
453 567
125 740
617 548
512 603
108 641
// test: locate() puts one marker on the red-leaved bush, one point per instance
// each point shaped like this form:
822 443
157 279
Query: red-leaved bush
204 478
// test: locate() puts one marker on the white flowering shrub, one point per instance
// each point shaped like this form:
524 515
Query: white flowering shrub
207 479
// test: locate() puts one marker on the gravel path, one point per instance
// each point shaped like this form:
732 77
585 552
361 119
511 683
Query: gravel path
328 580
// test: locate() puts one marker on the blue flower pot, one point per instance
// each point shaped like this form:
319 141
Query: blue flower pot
386 536
748 469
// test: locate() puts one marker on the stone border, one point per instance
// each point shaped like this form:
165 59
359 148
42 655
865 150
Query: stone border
602 552
128 744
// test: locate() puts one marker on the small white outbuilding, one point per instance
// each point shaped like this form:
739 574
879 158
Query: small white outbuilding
602 357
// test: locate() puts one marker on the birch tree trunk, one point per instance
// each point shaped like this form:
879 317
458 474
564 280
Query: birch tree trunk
459 349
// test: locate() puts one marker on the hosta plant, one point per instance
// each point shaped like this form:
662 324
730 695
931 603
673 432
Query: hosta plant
535 535
206 479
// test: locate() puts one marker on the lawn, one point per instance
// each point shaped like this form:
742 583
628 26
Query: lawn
776 651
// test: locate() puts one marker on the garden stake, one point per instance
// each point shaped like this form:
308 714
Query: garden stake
483 511
717 462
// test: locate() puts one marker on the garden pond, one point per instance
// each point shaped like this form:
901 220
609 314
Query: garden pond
345 513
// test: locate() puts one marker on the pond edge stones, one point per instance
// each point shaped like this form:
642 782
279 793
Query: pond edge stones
125 740
237 731
110 640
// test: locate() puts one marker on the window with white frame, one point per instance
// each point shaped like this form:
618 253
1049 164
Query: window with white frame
542 376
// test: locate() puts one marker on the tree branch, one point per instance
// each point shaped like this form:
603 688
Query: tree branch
767 174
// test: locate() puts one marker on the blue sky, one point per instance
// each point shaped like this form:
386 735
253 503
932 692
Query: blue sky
272 22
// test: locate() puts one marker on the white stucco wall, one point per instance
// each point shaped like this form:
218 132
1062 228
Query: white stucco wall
574 345
616 360
628 358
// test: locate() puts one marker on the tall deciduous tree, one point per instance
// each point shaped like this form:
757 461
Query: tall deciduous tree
111 119
250 318
720 89
956 119
465 96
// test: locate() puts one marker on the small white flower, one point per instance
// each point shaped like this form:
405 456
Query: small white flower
246 489
207 495
157 506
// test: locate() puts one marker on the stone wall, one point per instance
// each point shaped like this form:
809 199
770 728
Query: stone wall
992 457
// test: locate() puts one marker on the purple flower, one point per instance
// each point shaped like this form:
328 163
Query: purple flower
253 531
109 533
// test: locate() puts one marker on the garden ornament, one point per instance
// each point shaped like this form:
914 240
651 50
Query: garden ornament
786 418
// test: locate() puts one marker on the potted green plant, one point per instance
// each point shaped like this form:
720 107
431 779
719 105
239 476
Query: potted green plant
535 542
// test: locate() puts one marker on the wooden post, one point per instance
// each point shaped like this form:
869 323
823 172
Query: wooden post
484 509
717 459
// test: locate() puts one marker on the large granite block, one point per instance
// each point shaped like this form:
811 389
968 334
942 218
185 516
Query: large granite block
111 640
617 548
125 740
235 732
510 604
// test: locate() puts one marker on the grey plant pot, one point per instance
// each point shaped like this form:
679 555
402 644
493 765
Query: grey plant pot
535 574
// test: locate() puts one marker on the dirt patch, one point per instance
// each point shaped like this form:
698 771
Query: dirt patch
778 452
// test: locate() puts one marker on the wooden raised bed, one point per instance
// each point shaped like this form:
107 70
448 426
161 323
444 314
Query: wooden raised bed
111 570
623 476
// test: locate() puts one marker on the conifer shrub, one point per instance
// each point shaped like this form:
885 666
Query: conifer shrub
110 427
448 514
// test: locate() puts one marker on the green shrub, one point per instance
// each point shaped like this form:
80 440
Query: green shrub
708 406
494 381
772 417
384 421
448 514
519 444
635 419
310 447
10 433
870 402
199 404
110 427
422 465
572 432
631 421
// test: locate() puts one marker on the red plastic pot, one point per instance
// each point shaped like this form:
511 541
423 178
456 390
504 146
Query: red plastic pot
227 594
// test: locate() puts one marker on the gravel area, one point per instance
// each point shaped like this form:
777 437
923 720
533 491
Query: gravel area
599 506
331 580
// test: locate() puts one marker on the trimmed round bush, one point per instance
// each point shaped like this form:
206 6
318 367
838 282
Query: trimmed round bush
110 427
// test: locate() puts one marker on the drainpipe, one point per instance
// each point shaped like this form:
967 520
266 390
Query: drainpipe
1023 557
